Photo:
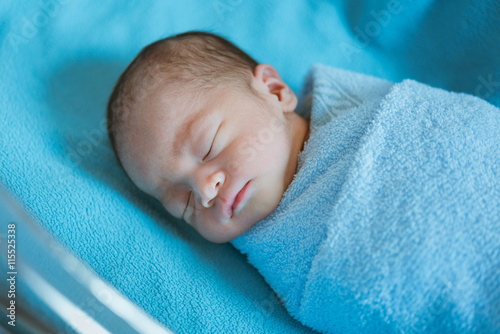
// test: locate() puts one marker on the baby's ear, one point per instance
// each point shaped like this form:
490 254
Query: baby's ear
273 84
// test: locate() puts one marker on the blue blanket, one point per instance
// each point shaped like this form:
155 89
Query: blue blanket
392 223
59 61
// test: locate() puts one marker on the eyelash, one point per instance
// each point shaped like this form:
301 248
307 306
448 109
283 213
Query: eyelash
213 141
210 149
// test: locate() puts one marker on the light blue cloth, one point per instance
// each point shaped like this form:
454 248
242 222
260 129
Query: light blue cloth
392 222
60 58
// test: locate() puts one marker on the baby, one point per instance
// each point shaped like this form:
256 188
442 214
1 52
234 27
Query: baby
206 130
387 221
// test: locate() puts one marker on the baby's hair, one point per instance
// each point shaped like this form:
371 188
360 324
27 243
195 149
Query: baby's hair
200 59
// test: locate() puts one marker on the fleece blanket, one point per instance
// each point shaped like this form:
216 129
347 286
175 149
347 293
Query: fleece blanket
392 222
60 58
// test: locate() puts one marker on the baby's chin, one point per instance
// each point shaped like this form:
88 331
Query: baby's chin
262 200
247 221
239 224
231 230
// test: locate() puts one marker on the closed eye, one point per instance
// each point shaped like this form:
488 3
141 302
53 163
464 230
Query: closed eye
209 150
212 145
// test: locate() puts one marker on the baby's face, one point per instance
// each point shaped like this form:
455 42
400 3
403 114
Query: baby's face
220 161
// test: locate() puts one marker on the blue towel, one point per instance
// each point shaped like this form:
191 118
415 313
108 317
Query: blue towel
61 58
392 222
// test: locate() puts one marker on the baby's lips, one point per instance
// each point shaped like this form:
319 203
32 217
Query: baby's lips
223 206
225 210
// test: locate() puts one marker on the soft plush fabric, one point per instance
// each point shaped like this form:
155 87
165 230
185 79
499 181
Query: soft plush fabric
392 221
59 60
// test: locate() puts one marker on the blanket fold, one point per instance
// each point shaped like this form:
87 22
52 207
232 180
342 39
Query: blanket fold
392 221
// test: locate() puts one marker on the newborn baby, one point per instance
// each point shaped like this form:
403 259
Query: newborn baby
386 221
211 134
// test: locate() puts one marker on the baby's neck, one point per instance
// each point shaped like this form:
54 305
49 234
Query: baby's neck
299 134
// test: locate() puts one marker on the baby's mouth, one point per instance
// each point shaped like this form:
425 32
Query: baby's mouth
240 198
237 203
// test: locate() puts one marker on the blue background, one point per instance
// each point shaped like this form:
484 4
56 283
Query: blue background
60 59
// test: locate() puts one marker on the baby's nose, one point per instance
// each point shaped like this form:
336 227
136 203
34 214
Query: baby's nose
211 189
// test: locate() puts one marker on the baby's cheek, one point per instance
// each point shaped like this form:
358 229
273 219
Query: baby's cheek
257 150
238 156
171 209
246 152
189 215
233 167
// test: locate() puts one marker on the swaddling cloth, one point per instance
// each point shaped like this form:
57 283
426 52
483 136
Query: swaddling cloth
392 221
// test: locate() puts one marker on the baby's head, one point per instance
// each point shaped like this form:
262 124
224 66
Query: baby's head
211 134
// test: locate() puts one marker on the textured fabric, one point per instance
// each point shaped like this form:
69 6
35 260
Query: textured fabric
60 58
392 222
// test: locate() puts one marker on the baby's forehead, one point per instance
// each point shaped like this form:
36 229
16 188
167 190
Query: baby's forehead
156 132
160 111
169 117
